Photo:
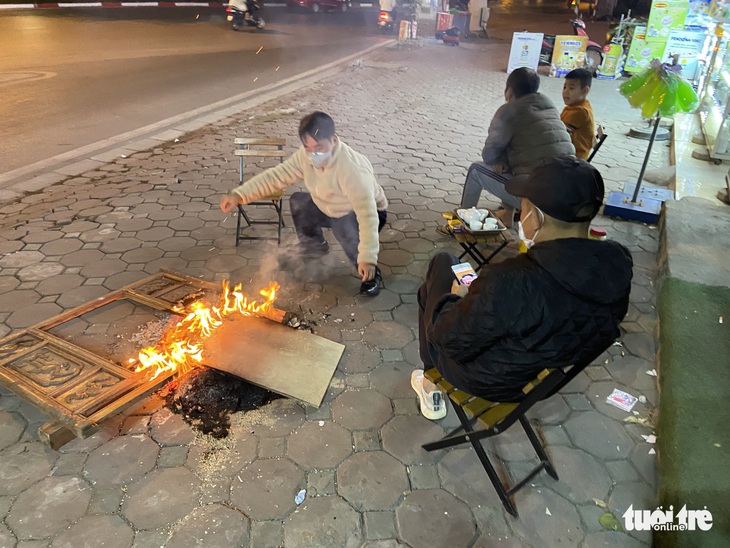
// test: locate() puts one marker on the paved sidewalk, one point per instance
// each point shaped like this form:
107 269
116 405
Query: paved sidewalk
420 115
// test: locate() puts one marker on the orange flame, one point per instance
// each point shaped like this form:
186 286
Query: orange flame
181 347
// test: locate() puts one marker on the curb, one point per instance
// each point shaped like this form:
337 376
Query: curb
57 5
44 173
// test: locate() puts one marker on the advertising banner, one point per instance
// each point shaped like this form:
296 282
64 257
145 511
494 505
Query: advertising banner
642 52
613 62
569 53
686 45
525 50
665 16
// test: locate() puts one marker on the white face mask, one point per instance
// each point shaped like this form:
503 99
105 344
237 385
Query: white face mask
527 242
320 159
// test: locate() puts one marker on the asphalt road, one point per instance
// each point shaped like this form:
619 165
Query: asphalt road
69 78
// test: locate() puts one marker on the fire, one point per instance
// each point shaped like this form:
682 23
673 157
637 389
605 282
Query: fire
181 347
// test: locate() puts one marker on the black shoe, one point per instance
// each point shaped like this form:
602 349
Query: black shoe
316 249
371 288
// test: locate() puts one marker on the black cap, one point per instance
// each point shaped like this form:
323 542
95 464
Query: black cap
567 188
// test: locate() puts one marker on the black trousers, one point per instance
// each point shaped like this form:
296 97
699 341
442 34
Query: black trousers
309 221
439 278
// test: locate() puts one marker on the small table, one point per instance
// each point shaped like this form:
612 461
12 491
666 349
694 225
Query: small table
470 241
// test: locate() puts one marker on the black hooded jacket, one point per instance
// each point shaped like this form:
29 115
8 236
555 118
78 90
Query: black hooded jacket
558 304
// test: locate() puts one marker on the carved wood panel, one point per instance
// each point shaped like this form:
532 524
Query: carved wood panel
73 385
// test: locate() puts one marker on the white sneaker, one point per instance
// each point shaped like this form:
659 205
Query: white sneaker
432 400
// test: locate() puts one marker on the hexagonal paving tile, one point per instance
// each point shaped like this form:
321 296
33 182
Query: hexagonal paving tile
8 283
61 247
279 418
49 506
323 521
156 234
372 480
122 460
167 428
403 436
103 268
463 476
20 259
7 538
40 271
23 465
573 467
82 257
133 225
161 497
349 317
550 411
242 452
101 234
395 257
89 530
185 223
449 523
361 409
177 243
80 295
120 245
33 314
267 489
562 527
12 426
359 358
393 380
598 435
213 525
319 446
13 300
387 335
142 255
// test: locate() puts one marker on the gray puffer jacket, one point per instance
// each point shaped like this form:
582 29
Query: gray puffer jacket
526 132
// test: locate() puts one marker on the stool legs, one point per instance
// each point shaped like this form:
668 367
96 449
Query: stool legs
486 463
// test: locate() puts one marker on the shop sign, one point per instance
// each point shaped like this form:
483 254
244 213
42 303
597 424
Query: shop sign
569 53
642 52
665 16
525 50
613 62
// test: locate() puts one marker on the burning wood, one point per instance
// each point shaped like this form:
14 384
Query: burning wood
181 348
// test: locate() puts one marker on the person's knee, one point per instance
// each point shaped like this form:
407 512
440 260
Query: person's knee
442 261
298 198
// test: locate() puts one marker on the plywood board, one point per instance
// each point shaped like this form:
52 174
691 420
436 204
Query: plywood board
293 363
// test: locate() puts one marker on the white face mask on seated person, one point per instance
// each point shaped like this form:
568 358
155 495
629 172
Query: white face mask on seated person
525 242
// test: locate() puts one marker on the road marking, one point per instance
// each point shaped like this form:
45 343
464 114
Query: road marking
7 78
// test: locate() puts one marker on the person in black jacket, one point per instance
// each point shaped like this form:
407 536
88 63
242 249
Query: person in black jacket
558 304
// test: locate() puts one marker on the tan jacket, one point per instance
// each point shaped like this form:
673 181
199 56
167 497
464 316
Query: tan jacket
346 184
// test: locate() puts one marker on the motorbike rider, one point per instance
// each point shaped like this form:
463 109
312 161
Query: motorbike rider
240 5
391 7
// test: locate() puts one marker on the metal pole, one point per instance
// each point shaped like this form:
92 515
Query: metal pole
646 158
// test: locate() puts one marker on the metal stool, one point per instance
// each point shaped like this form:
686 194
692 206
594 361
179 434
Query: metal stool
276 200
600 137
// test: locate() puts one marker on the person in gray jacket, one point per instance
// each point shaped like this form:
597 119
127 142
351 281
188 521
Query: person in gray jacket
525 132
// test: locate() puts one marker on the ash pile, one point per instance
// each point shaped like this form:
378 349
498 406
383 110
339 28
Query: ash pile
206 398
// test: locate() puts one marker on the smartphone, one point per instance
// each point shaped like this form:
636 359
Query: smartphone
464 273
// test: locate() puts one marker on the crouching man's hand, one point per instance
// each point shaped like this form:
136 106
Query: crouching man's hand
366 271
229 202
459 289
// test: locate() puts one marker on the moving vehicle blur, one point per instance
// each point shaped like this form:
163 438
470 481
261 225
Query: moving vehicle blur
320 5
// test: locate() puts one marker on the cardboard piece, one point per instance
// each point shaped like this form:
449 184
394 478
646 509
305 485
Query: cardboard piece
290 362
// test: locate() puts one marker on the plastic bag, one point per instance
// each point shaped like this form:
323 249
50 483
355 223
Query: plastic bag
659 91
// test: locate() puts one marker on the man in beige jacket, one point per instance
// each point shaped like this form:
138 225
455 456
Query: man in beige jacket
343 195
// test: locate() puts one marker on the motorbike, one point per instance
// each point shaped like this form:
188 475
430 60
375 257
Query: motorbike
386 22
245 14
594 52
